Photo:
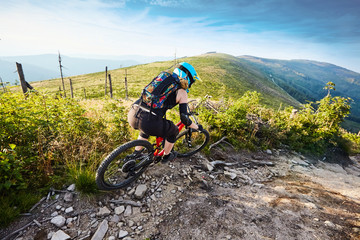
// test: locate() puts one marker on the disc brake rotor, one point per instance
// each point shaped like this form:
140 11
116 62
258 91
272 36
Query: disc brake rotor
128 166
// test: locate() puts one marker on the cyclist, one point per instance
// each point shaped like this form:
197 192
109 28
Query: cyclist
152 122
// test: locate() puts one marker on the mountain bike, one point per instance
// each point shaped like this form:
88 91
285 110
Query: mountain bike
122 166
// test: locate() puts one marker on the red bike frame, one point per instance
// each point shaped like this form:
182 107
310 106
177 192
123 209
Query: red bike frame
159 140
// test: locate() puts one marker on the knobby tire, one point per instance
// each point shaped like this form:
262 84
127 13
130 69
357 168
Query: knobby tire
110 176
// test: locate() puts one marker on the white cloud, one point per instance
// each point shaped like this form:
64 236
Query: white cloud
94 27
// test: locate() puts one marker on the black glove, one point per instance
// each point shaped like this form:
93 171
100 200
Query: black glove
185 119
200 128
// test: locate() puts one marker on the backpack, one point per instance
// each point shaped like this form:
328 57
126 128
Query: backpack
158 90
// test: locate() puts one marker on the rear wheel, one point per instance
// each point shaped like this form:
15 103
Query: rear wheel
121 167
190 142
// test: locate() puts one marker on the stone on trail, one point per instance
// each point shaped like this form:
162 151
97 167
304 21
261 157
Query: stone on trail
231 175
119 210
329 224
115 218
68 197
58 221
128 211
60 235
71 188
69 210
101 231
123 234
103 212
54 214
140 191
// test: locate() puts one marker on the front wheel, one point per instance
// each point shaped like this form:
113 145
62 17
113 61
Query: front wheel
190 142
121 167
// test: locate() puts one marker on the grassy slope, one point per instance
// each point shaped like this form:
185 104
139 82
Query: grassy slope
223 76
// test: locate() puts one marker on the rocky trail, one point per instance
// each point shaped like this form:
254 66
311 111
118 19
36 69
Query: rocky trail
230 195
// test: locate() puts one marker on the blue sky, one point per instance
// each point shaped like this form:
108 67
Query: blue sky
322 30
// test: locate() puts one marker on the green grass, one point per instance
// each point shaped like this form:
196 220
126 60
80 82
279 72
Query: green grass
223 77
13 204
84 179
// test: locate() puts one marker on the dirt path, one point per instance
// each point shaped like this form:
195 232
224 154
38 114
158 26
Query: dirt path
245 196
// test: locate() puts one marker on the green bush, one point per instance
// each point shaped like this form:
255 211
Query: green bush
312 129
118 123
316 126
351 142
34 124
11 169
238 121
40 135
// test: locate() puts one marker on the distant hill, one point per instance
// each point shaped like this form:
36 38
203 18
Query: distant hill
46 66
304 79
8 72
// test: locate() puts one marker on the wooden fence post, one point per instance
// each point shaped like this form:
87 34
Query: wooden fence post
3 85
28 85
111 93
105 79
62 78
85 93
21 77
126 87
71 88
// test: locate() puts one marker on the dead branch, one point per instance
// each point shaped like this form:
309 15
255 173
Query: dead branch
126 202
261 163
37 204
37 223
19 230
222 140
159 184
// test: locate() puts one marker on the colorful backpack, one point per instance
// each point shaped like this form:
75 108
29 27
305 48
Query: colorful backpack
158 90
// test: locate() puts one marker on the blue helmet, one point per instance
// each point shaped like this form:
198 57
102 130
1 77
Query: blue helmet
186 71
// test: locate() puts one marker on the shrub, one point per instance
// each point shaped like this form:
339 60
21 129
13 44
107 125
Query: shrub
35 125
249 125
316 126
11 169
239 121
351 142
39 135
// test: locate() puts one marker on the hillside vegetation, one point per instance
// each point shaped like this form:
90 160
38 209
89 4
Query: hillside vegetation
281 82
47 140
305 80
223 76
